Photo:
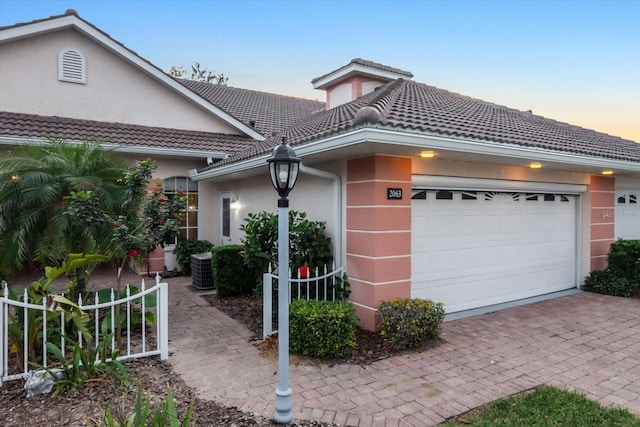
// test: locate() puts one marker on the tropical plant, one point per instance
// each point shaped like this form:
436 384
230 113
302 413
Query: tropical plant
143 414
34 182
87 363
32 323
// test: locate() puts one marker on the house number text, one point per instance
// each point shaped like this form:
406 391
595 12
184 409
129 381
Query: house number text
394 193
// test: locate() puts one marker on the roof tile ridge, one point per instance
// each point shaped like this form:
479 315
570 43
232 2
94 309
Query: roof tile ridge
379 107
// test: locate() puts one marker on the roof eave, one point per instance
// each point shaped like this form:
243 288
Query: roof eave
354 69
71 21
124 148
421 141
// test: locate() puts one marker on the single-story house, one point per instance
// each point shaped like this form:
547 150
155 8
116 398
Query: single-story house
426 193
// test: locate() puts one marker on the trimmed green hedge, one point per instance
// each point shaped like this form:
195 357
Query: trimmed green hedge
621 278
229 272
410 323
325 329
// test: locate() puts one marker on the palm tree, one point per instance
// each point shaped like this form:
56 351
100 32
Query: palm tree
34 182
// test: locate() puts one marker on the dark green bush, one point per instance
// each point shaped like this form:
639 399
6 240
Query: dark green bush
410 323
607 283
308 244
185 248
325 329
229 272
623 259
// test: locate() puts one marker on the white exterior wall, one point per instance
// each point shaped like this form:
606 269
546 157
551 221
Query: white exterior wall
115 91
503 172
311 195
368 87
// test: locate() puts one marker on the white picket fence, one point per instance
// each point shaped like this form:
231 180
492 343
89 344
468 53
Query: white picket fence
135 348
325 286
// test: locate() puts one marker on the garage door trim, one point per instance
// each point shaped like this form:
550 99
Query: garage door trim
482 184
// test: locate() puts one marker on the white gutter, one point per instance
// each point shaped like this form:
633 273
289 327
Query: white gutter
121 148
337 208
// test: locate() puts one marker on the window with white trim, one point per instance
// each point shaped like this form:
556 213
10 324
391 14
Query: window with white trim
72 66
187 227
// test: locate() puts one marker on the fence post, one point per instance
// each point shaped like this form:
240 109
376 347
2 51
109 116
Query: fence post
4 326
267 305
163 321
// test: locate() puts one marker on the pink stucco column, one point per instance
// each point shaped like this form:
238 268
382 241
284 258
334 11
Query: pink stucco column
603 197
378 233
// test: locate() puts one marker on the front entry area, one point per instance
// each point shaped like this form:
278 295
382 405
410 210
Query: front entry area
475 248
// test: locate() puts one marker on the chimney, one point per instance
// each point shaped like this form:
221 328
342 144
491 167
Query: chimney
359 77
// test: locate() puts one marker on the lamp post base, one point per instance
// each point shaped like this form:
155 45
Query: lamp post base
283 407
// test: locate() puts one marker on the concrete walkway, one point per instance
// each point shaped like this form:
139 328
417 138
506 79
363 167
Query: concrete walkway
584 342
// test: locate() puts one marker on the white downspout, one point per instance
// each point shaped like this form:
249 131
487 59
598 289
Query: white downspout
337 198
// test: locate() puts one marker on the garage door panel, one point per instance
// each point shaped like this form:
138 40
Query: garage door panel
471 253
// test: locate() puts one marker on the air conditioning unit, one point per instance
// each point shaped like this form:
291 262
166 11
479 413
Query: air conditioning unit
201 272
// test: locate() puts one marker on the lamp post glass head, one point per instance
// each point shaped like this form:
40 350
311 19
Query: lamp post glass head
283 168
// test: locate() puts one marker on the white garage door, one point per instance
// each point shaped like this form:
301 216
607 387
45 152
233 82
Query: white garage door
476 248
627 214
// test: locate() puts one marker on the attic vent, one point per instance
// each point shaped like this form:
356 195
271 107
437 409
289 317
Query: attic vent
72 66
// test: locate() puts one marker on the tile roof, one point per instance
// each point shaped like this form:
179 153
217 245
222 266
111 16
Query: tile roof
30 125
266 112
370 64
407 105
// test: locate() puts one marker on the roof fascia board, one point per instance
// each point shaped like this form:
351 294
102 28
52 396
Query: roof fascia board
486 184
71 21
122 148
332 78
393 137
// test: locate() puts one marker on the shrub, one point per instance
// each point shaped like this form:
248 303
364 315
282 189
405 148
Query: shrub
608 283
308 244
410 323
623 259
324 329
229 272
185 248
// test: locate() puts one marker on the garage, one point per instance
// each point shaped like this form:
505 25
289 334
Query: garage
473 248
627 214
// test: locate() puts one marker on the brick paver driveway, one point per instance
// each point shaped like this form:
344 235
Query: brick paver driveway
584 342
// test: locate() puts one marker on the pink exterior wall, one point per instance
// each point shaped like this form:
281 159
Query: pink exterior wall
603 196
356 83
378 233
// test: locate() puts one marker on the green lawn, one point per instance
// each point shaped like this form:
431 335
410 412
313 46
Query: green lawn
546 406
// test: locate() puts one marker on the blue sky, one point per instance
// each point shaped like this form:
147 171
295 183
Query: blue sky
573 61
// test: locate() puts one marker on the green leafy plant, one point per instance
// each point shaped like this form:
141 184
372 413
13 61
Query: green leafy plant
36 293
410 323
185 248
308 244
150 301
608 283
229 272
88 363
623 260
325 329
144 415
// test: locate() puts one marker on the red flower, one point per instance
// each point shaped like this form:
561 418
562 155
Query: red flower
180 192
132 253
116 224
162 222
64 203
163 200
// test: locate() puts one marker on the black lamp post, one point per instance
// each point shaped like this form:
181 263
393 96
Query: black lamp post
283 168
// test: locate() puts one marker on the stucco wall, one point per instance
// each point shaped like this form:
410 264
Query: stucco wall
312 195
115 91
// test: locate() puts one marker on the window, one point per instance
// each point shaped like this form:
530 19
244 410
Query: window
225 218
72 66
188 227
